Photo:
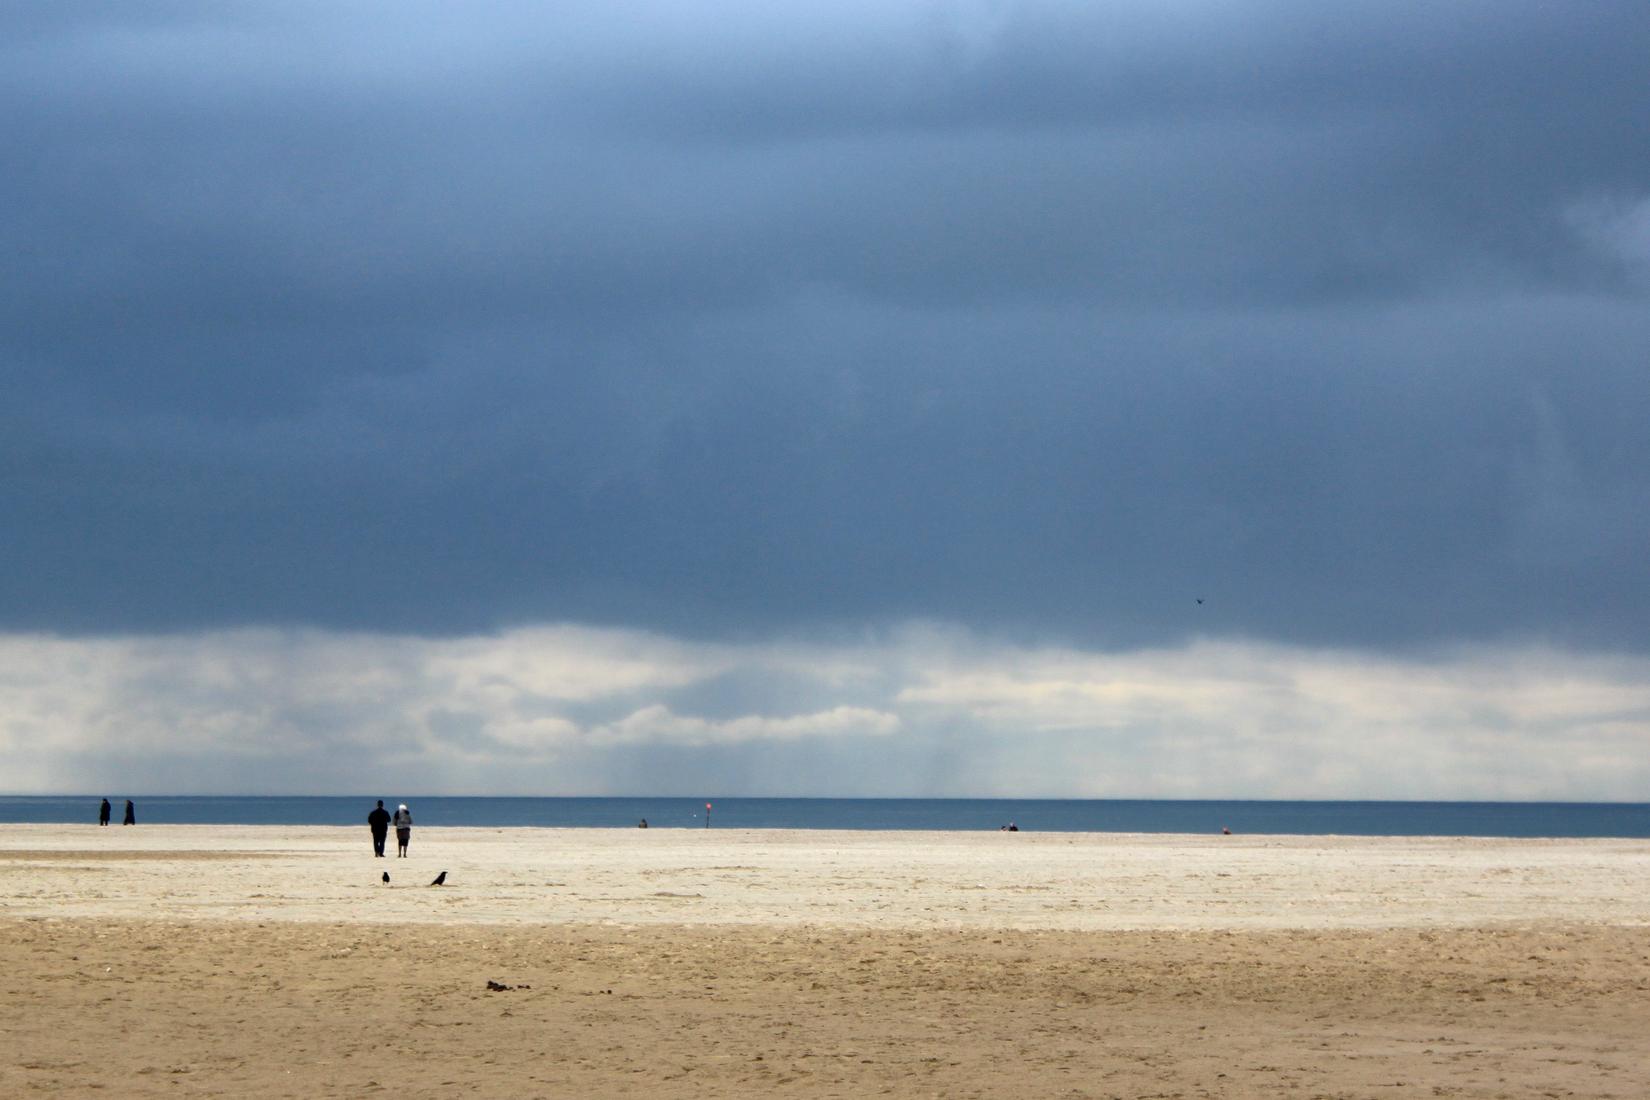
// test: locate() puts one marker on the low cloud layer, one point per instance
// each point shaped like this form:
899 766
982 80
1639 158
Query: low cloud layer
941 712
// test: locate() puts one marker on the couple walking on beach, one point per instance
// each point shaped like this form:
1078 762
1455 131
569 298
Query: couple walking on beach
380 821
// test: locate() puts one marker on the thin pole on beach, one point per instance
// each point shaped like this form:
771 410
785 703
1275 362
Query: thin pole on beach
707 815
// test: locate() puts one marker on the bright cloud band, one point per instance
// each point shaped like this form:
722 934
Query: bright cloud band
566 710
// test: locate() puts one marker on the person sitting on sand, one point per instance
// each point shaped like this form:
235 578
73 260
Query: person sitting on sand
403 829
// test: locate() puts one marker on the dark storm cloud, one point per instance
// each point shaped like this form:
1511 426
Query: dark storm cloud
1044 318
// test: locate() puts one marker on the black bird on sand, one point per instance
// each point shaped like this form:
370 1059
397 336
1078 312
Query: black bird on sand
386 878
440 880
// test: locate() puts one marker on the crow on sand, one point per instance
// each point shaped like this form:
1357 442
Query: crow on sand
440 880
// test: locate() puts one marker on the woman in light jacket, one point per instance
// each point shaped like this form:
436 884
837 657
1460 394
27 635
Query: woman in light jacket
403 829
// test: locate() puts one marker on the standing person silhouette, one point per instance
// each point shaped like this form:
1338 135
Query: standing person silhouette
403 829
131 814
379 822
103 812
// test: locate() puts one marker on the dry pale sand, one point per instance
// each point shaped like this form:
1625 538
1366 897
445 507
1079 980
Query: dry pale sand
253 961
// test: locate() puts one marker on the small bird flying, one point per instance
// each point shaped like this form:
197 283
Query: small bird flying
440 880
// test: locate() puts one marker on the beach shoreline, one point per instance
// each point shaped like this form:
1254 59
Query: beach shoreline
1064 881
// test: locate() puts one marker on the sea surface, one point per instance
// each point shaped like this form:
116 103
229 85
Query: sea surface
1505 819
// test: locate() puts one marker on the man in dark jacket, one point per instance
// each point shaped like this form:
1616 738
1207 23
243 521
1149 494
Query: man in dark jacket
379 822
103 813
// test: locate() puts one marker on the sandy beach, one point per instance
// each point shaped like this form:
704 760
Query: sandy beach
268 961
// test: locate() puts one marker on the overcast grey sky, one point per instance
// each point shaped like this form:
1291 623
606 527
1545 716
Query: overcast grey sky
718 348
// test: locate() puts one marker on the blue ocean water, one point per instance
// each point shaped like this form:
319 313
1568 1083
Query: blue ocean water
1509 819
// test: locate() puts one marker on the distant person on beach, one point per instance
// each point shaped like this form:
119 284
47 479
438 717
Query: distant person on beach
131 814
103 812
403 829
379 822
642 824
